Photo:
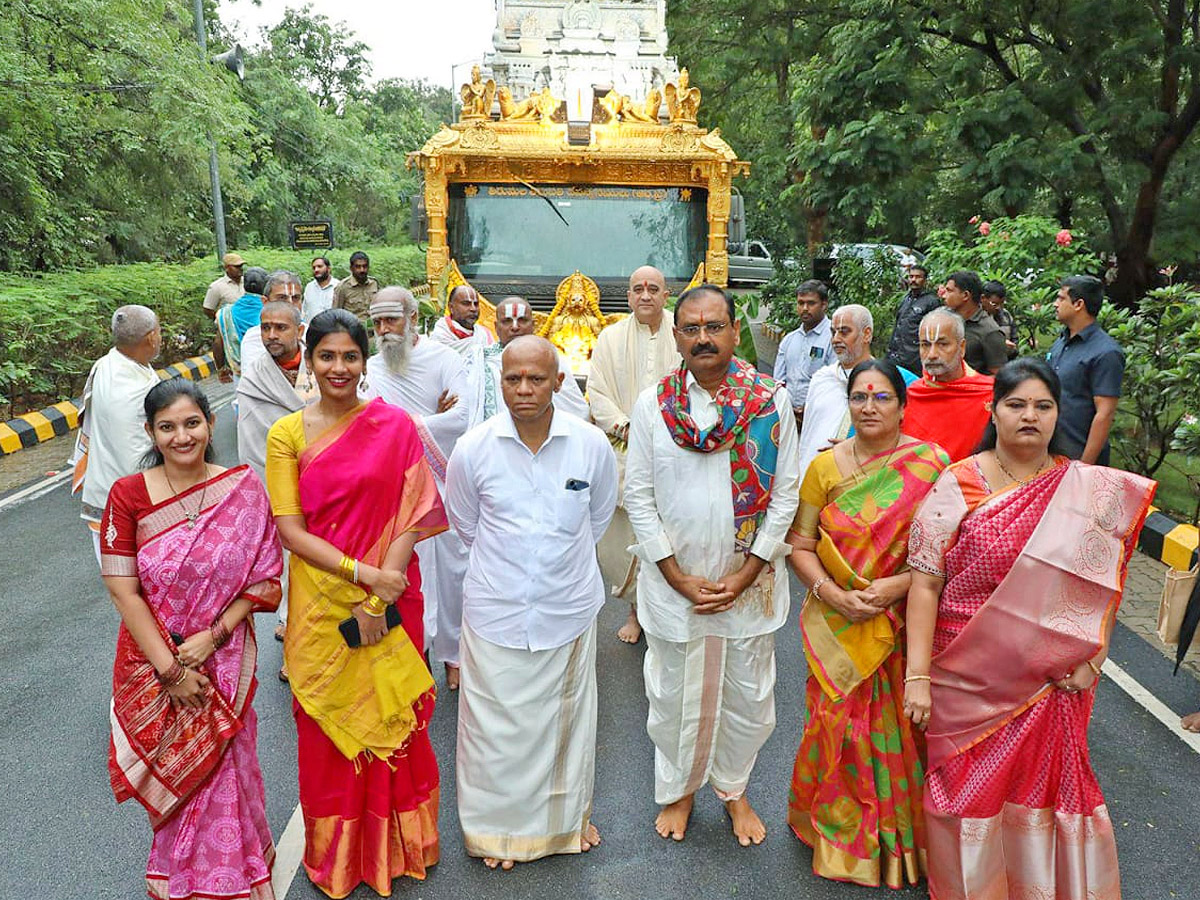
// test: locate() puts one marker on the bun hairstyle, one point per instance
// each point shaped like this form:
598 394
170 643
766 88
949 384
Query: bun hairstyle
335 321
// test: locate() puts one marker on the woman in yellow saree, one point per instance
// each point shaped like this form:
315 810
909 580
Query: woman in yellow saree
352 494
856 784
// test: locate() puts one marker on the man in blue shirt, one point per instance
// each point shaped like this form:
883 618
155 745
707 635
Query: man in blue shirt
1090 365
806 349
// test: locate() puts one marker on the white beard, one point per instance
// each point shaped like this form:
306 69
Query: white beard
396 350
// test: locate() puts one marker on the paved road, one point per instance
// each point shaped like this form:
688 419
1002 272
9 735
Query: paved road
62 836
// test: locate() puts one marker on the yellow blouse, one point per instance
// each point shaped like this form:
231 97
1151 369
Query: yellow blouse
285 443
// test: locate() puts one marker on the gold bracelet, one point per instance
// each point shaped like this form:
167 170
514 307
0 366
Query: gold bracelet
814 590
1095 668
375 607
348 568
908 678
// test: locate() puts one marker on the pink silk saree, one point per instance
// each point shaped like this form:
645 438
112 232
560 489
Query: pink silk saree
196 770
1034 575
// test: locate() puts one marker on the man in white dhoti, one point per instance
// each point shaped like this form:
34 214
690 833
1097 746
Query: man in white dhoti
827 411
711 486
459 329
112 436
514 318
629 357
428 381
529 476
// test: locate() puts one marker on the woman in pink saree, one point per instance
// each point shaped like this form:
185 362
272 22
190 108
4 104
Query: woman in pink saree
1019 559
183 728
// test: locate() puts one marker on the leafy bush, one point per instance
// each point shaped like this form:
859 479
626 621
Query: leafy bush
53 327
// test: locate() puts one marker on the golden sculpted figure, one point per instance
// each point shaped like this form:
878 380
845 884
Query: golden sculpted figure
477 96
541 106
683 101
576 320
621 109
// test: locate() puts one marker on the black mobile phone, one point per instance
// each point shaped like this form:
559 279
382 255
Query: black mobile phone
349 627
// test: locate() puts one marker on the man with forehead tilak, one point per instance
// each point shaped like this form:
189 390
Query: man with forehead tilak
630 356
514 319
949 405
429 382
459 329
711 486
530 476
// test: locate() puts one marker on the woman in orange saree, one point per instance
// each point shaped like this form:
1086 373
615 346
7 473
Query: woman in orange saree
1019 558
183 728
856 784
352 494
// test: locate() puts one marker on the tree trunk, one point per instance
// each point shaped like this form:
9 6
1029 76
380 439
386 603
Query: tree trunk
1135 269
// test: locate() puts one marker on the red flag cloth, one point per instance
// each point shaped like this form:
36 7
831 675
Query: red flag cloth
951 414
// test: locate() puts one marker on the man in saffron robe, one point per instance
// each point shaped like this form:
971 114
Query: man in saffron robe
949 404
711 486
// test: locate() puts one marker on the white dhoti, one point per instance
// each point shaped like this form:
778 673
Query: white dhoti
526 761
617 564
712 707
443 561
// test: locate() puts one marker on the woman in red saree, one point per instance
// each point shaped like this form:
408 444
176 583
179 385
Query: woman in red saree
183 730
352 495
856 784
1019 559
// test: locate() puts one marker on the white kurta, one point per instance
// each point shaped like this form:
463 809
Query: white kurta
826 414
433 369
627 359
113 434
443 334
709 679
527 708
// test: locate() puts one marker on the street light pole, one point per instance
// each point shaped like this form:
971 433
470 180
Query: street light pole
214 175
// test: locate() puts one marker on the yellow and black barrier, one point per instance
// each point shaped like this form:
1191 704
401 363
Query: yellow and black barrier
33 428
1169 542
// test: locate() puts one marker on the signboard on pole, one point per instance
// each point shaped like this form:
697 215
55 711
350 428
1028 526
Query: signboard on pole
311 235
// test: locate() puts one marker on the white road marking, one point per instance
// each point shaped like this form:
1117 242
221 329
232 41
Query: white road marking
289 851
1150 703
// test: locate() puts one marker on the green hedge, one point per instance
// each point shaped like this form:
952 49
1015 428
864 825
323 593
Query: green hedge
53 327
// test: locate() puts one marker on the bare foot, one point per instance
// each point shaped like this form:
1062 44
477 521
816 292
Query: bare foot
1191 722
502 864
748 828
590 839
280 630
672 821
452 682
631 631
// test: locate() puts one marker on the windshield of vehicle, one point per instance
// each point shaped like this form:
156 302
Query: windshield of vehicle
603 231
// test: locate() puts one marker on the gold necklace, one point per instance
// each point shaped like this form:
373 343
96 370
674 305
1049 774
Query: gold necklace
191 516
859 464
1012 477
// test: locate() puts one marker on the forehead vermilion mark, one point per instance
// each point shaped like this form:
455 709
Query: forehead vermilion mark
870 387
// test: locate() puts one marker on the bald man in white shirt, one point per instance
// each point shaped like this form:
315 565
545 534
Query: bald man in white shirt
530 476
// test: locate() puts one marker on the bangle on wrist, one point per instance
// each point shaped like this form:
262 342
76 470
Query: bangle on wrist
908 678
220 634
815 590
348 568
375 607
173 676
1095 668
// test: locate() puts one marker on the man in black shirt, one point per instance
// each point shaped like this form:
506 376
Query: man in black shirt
902 348
986 352
992 300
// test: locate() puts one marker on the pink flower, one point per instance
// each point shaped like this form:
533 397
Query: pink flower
985 228
941 291
974 220
1063 238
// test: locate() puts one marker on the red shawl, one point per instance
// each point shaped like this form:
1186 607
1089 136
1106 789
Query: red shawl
951 414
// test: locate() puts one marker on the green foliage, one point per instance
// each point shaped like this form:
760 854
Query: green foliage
52 327
1162 356
1029 255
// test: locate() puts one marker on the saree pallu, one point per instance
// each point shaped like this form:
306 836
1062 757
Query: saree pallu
1033 581
196 770
368 777
856 784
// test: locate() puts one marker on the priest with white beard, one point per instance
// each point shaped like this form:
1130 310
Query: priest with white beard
428 381
459 329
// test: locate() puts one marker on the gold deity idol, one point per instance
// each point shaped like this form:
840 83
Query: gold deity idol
576 320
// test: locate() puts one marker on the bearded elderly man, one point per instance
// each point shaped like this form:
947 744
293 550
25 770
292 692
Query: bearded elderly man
629 356
112 436
429 382
460 328
951 403
529 476
514 319
711 485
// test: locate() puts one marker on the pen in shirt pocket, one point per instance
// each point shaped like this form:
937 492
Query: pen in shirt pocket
575 484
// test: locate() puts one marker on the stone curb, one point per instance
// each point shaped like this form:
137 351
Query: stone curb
33 428
1168 541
